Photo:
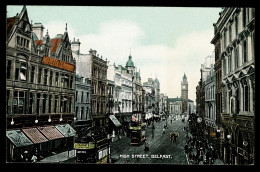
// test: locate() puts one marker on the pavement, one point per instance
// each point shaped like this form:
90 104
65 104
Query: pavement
60 157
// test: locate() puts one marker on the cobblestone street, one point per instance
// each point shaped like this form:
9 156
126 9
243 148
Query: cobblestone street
161 149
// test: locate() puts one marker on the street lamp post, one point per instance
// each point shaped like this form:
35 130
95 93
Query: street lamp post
228 148
110 104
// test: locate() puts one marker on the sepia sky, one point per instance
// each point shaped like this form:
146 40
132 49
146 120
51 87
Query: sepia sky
165 42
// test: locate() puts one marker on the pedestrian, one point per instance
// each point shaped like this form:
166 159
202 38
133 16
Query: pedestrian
172 137
26 158
34 158
190 156
186 148
163 130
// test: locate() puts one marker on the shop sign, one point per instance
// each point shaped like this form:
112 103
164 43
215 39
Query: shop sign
84 145
241 151
58 63
213 134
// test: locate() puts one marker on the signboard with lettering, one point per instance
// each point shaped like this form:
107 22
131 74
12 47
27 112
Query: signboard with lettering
84 145
58 63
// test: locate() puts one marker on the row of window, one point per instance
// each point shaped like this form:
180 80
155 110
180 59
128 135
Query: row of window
81 95
98 107
241 102
99 89
228 34
81 113
99 73
22 42
211 111
210 92
65 58
44 76
37 103
232 61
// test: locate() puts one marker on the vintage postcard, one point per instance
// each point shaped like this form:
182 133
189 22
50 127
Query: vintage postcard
130 85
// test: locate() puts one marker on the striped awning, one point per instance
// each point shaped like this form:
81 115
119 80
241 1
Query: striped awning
35 135
18 138
50 132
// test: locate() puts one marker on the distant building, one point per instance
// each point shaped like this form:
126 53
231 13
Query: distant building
137 93
175 106
155 84
210 103
184 94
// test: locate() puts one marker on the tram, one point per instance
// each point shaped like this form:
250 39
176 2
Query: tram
93 148
137 131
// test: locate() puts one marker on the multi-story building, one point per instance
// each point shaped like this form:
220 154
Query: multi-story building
155 84
175 106
163 104
99 98
149 99
200 89
218 74
137 92
40 74
236 34
210 105
122 94
82 87
82 102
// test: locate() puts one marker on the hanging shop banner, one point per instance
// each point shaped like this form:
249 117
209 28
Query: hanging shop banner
58 63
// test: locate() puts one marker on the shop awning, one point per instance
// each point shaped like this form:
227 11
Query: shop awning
115 120
18 138
66 130
35 135
50 132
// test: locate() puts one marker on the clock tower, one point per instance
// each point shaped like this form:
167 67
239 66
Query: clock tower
184 94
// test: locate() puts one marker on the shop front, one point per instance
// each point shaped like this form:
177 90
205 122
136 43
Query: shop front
116 128
69 133
17 145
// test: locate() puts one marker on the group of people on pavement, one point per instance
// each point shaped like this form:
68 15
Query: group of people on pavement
25 157
198 150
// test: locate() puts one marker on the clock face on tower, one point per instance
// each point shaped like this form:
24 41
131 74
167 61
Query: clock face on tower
183 87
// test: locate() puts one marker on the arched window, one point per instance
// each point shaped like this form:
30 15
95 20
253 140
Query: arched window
237 98
246 97
245 51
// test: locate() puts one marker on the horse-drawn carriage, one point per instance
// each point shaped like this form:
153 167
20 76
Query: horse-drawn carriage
173 136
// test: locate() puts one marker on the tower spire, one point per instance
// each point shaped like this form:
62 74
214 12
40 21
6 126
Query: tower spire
66 30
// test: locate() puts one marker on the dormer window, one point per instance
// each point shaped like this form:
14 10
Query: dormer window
22 42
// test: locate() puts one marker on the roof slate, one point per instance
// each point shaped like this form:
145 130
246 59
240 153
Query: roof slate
55 44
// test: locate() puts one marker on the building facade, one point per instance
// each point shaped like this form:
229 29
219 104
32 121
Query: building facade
40 74
235 28
99 98
210 105
82 87
137 91
149 99
175 107
155 84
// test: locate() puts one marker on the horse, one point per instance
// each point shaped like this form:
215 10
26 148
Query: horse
174 136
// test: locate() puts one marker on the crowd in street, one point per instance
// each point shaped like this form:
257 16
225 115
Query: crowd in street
198 150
